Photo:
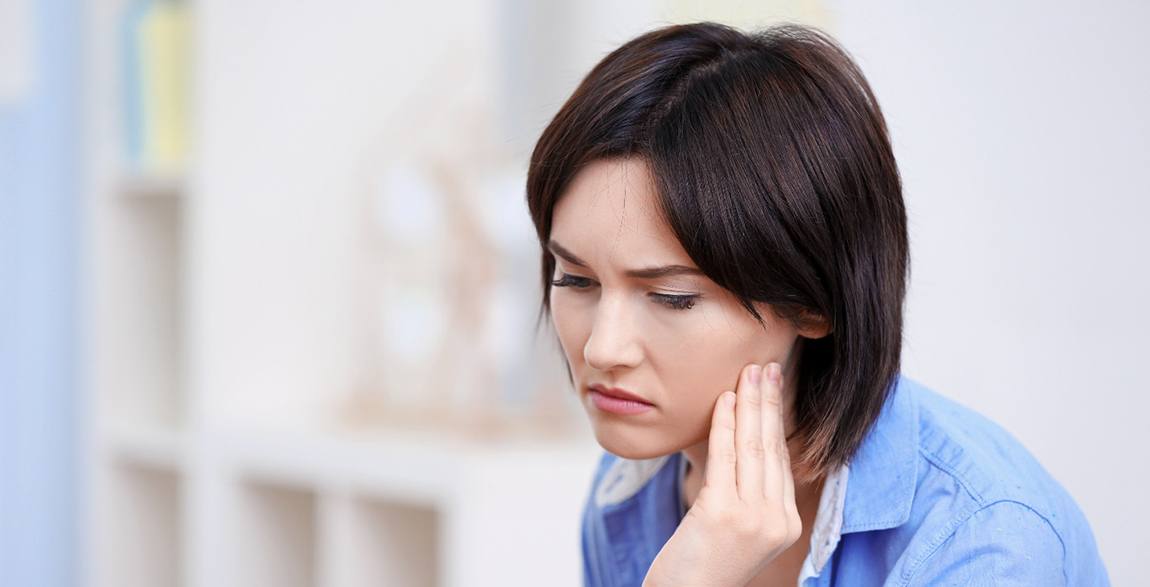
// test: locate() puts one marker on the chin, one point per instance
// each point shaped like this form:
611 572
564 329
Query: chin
632 447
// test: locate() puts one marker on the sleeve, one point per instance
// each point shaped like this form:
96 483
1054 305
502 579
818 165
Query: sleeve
1003 543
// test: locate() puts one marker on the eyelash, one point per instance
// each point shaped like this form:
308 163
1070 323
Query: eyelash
673 302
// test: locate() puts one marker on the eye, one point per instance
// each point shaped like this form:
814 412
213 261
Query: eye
676 302
572 281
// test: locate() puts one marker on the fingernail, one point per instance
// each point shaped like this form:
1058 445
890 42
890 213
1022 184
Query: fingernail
756 374
774 372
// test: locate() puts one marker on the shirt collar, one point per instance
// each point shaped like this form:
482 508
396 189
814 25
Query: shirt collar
625 478
883 470
827 529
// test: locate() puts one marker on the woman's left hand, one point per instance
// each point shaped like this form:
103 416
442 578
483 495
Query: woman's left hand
745 514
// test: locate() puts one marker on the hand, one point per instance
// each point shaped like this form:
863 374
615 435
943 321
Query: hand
745 514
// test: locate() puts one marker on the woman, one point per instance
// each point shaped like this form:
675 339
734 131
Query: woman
724 260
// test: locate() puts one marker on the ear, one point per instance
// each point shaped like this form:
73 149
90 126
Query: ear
813 325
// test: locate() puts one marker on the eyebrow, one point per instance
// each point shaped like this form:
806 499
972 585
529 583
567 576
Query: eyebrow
641 273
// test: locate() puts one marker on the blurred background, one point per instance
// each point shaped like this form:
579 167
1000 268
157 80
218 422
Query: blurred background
268 282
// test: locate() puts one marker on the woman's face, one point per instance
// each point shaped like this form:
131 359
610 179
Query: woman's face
676 340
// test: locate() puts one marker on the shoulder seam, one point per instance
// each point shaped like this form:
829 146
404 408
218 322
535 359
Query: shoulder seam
960 521
934 460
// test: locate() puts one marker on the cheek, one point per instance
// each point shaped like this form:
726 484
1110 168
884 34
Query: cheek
704 360
700 368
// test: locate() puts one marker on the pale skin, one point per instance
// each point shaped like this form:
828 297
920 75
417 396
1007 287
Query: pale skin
681 342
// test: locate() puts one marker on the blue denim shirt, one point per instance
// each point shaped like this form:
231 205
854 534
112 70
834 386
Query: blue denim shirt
935 495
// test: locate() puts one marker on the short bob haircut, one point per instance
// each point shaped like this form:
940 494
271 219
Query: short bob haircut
774 169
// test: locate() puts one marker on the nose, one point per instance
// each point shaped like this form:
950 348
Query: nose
614 340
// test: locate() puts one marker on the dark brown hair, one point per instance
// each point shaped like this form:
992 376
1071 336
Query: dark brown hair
774 169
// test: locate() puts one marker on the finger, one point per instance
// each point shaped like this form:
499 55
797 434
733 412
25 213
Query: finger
719 472
772 435
749 434
789 504
773 394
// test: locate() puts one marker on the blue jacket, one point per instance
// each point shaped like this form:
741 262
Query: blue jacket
935 495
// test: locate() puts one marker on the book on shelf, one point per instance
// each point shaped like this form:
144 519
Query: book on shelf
155 39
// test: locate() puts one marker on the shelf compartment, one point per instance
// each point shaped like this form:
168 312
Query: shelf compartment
142 528
367 542
275 538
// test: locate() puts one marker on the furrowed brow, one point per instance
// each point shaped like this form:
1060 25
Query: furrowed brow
642 273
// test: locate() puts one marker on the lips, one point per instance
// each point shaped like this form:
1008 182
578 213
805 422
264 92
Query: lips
618 393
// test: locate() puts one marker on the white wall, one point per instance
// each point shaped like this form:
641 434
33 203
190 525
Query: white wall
1022 135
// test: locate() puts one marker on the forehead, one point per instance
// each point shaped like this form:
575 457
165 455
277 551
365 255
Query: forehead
609 214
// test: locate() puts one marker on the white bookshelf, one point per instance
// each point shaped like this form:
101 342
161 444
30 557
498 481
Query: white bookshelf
212 458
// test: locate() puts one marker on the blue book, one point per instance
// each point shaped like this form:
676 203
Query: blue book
133 89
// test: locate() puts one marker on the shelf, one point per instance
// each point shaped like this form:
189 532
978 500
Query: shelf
222 305
443 493
152 185
410 467
155 448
